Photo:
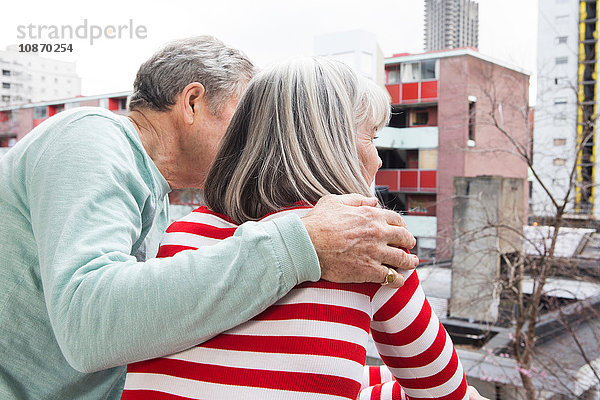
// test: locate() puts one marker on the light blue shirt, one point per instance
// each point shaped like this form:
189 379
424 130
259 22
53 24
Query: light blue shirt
82 210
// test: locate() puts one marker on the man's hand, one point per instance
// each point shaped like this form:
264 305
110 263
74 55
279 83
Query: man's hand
354 240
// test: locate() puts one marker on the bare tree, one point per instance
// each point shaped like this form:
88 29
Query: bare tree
528 259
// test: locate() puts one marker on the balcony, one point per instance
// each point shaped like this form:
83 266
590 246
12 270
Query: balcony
425 137
414 92
8 127
421 226
407 180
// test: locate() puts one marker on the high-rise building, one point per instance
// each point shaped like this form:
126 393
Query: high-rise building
450 24
565 141
29 78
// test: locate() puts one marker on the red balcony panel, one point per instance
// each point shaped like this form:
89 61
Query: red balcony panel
394 91
36 122
55 109
429 90
428 181
113 104
409 180
389 178
410 92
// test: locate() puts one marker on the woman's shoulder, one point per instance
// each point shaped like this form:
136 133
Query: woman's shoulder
298 208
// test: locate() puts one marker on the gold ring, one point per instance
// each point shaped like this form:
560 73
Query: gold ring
390 277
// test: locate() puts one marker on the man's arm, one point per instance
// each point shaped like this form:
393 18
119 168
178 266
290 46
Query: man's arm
107 309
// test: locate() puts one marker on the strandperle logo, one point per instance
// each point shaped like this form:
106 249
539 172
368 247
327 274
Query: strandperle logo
83 31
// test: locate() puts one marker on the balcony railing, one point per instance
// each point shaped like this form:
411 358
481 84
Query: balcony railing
413 92
421 226
407 180
425 137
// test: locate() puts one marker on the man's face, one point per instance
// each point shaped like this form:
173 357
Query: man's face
210 133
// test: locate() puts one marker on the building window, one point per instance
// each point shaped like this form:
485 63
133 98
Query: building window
410 72
560 119
428 69
5 72
560 80
393 75
559 162
421 204
5 98
560 142
412 157
560 101
40 112
561 60
472 122
5 85
419 117
561 39
398 118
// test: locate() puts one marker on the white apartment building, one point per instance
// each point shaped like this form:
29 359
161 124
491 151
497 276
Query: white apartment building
450 24
358 49
566 91
29 77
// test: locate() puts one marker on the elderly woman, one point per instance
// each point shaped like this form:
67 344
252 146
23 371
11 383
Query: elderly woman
302 130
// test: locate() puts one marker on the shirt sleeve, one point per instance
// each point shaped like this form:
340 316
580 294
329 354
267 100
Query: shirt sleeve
414 345
378 383
106 309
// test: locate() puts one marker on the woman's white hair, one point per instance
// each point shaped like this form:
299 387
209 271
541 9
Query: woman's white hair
293 138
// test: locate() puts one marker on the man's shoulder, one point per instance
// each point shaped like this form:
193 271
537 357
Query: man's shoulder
84 126
91 123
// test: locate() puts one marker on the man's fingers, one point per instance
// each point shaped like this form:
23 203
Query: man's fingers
393 218
355 200
398 258
399 237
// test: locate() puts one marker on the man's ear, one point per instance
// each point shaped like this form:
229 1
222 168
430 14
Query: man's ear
191 100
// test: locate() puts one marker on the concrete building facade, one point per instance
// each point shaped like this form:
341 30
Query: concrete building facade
29 77
357 49
565 115
17 121
441 128
451 24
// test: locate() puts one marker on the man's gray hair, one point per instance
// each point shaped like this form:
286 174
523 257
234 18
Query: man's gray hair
222 70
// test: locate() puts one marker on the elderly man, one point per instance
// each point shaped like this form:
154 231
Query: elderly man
83 200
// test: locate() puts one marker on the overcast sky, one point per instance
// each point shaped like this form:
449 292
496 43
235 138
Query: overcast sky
267 30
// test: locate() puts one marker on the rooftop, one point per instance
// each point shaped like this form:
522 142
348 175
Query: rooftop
446 53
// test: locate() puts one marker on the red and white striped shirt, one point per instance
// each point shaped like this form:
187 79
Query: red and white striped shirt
311 344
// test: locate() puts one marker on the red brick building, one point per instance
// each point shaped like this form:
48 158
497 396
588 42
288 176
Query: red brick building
446 110
17 121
